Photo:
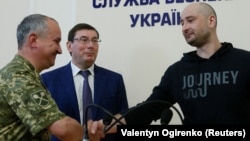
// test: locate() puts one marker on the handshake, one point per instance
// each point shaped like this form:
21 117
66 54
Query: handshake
96 130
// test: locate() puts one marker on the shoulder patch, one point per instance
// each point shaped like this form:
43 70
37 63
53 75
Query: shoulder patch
41 98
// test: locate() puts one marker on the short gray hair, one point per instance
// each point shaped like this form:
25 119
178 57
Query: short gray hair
36 23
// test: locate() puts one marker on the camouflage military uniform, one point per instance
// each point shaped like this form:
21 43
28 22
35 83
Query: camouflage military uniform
26 107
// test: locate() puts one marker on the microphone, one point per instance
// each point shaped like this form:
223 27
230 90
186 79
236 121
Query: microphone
107 119
155 108
166 116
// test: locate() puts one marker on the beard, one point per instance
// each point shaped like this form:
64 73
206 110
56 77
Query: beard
192 41
197 40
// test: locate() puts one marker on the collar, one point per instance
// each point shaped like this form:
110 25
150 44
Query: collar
75 69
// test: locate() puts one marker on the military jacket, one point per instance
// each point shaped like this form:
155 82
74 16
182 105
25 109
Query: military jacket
27 108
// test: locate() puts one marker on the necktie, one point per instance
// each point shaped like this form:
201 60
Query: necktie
86 96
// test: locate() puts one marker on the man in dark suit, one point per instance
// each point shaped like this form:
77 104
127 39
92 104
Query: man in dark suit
65 83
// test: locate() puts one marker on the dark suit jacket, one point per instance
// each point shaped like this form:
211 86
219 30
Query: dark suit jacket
109 92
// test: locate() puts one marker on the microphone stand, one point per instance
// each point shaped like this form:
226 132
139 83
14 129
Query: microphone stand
86 133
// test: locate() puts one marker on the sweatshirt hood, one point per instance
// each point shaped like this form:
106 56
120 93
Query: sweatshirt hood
193 57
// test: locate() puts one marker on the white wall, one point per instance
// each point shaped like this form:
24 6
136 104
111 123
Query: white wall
140 54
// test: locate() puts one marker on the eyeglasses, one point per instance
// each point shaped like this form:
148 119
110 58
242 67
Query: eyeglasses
84 40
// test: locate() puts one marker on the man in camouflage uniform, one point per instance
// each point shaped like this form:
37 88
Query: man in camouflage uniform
24 102
27 110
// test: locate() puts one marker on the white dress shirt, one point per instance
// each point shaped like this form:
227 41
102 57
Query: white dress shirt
78 82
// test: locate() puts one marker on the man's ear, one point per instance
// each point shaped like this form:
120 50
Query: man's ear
69 46
212 20
32 40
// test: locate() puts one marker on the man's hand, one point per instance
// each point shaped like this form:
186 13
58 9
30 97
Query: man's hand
95 130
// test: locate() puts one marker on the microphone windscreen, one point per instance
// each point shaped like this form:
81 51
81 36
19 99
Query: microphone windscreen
107 119
152 110
166 116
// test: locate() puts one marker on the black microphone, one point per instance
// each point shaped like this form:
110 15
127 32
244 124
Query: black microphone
107 119
155 108
152 109
166 116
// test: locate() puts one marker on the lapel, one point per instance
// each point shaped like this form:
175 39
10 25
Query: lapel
69 88
99 84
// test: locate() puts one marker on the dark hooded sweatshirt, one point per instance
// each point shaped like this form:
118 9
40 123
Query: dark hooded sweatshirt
209 91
